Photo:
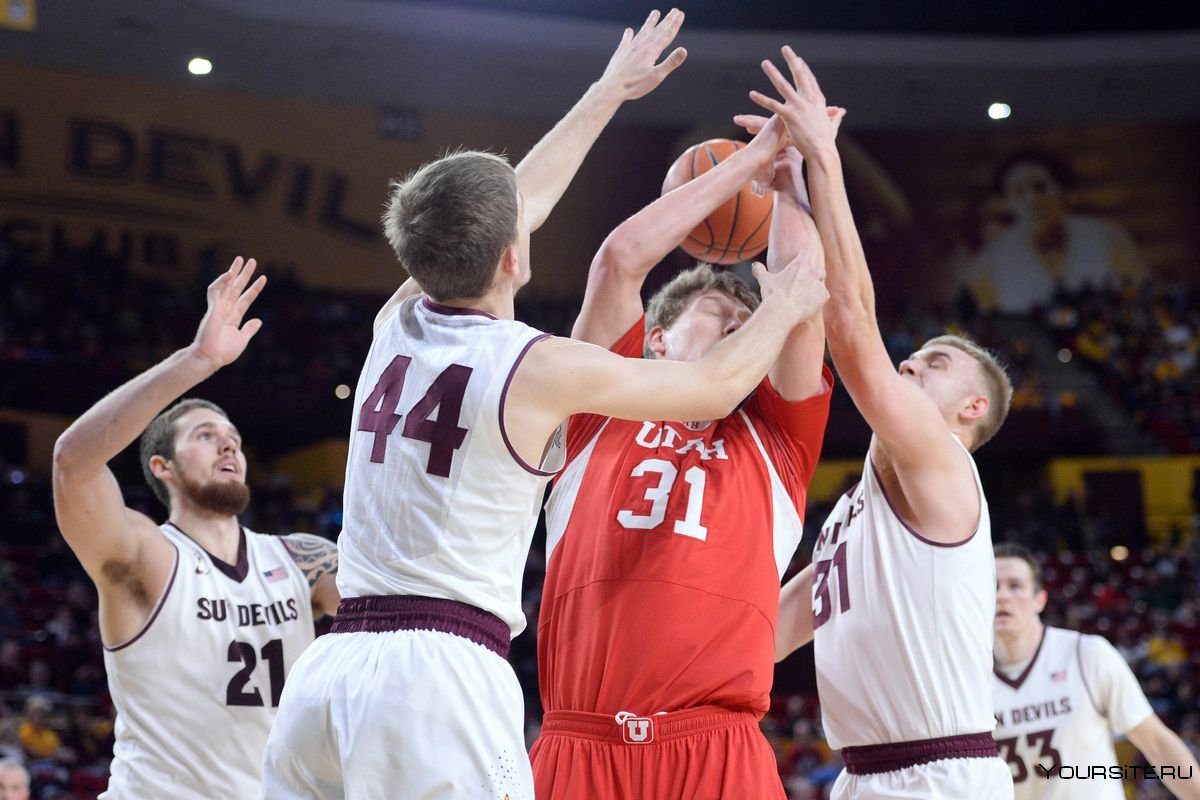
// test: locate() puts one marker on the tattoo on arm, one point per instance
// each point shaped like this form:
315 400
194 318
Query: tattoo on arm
315 555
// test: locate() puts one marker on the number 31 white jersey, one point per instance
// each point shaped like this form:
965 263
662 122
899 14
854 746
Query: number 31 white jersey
437 502
902 625
197 688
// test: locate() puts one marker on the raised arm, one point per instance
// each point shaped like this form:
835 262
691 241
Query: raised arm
113 542
561 377
546 171
612 301
797 374
407 289
935 475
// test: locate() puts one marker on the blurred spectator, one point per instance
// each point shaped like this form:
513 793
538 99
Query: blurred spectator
14 781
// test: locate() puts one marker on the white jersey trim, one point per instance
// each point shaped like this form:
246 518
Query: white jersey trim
783 510
162 599
561 503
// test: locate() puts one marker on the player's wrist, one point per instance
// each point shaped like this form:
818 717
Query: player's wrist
194 358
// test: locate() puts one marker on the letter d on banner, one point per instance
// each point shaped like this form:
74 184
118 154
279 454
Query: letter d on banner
19 15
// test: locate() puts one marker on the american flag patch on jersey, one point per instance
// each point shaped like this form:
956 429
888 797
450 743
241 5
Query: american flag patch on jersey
275 574
1059 676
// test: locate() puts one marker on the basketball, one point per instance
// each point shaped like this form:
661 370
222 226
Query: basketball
738 229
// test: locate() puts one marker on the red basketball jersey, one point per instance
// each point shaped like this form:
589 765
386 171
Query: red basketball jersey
666 545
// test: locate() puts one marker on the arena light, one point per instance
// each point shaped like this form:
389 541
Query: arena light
1064 355
199 66
1119 553
342 391
999 111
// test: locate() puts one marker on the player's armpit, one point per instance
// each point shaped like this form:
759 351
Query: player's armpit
112 542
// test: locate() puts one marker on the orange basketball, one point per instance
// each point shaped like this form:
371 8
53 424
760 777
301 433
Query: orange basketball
738 229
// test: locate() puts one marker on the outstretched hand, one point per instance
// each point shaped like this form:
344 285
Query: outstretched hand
222 337
633 70
801 284
802 109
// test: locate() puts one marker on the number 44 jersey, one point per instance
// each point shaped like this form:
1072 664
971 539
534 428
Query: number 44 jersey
666 542
437 501
197 688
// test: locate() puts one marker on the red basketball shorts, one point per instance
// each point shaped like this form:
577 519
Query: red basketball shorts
699 754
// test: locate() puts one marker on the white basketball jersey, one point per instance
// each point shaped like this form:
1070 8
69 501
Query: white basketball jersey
902 625
1061 711
196 689
437 502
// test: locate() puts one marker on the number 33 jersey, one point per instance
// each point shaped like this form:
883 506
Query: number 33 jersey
197 688
1062 711
666 542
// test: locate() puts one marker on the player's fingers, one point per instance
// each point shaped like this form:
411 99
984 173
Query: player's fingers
767 102
777 80
806 82
243 277
671 62
251 327
626 38
759 271
753 123
670 23
250 295
650 22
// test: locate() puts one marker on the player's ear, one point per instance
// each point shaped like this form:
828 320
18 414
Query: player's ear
159 466
976 407
655 339
510 262
1039 600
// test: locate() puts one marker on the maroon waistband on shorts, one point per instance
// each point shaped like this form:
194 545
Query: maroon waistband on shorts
628 728
385 613
876 758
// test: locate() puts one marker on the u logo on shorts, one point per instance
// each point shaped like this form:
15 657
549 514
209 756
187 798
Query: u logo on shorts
635 730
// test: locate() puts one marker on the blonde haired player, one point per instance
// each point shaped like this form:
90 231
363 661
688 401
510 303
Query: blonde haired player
1061 696
899 595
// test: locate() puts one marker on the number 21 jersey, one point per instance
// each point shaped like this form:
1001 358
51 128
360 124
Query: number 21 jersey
197 688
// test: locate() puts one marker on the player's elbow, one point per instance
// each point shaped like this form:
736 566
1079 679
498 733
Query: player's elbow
723 400
618 254
67 453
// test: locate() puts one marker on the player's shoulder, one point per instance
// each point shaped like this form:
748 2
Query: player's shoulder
1090 647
